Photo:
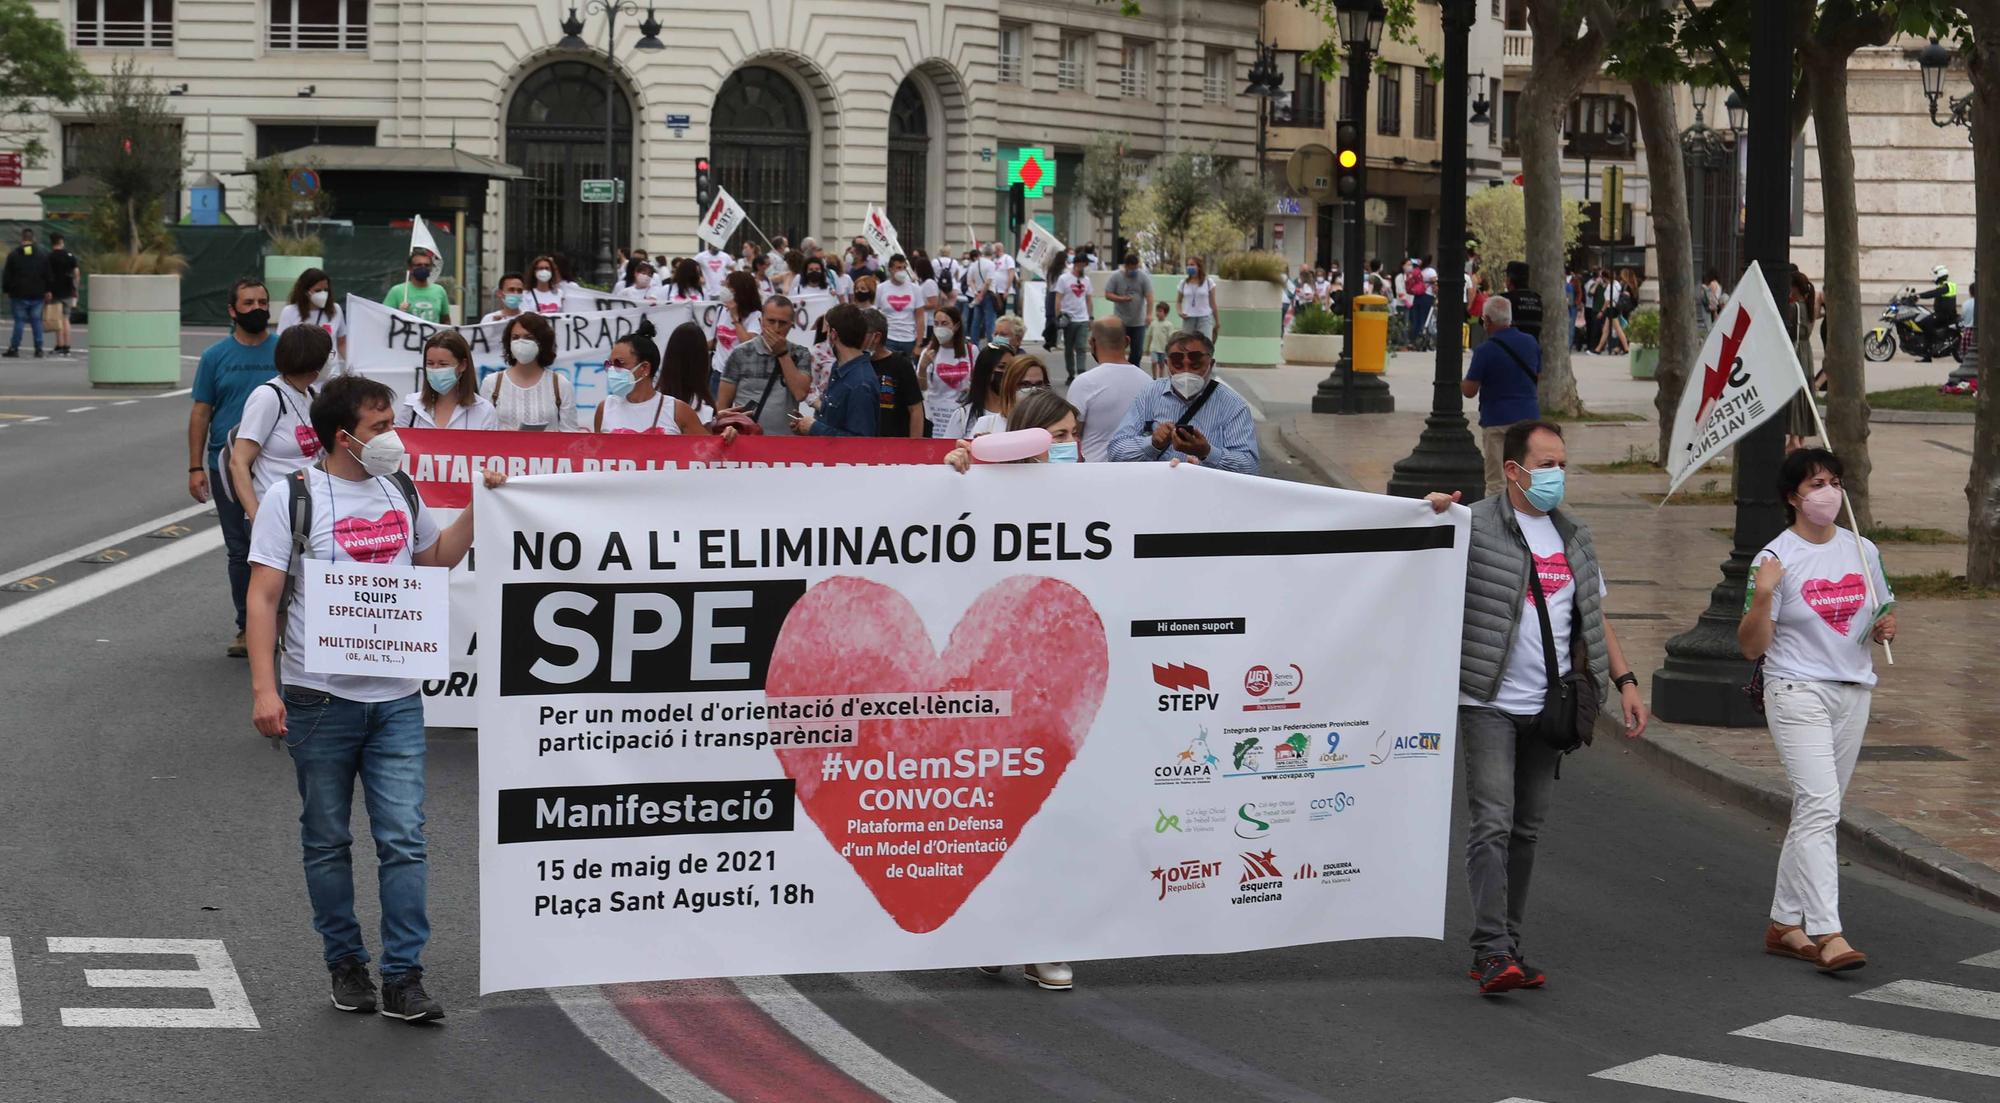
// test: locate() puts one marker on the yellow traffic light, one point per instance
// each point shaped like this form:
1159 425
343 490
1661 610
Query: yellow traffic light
1347 158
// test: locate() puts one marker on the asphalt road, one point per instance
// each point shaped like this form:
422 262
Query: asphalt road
136 803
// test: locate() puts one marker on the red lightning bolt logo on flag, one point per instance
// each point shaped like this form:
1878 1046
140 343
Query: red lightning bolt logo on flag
1749 372
720 221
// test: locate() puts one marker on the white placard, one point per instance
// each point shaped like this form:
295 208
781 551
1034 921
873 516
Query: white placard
386 620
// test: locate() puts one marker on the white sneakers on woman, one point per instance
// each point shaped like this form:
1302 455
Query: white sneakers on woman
1055 976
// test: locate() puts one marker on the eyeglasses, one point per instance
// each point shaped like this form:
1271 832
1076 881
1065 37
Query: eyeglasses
1188 359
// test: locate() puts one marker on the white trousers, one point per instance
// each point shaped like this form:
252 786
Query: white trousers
1817 727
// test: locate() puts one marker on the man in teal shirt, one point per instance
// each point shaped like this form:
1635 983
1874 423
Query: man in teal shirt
420 296
229 371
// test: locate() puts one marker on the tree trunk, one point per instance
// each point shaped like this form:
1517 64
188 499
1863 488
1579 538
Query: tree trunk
1673 236
1847 387
1563 60
1982 489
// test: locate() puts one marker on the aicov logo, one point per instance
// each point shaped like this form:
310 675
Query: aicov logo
1420 745
1194 765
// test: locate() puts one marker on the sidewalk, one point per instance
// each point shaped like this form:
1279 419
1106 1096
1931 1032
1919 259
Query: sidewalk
1925 798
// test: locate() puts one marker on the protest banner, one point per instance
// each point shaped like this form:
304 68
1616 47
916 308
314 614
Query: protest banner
1036 248
903 718
720 220
386 620
444 463
1747 372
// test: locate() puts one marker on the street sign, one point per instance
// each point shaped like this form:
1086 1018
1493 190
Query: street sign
678 124
986 154
10 169
1034 169
1376 210
601 191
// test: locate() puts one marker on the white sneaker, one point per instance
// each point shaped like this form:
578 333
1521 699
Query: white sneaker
1056 976
990 970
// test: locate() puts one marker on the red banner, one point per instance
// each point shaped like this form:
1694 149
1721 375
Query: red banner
443 462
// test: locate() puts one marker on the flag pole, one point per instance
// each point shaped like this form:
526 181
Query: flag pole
752 223
1867 574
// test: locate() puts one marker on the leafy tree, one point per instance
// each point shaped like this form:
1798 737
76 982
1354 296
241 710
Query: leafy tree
1496 219
1108 177
1979 39
36 64
1181 185
1247 197
132 145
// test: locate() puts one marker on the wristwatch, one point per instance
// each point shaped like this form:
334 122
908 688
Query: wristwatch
1626 679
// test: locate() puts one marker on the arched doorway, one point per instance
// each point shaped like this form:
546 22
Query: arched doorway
909 164
555 132
762 147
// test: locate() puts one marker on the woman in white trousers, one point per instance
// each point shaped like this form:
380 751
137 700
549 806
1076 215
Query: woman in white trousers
1810 615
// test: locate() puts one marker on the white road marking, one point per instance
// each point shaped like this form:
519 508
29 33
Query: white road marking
613 1033
826 1037
59 558
126 402
79 410
1990 961
1519 1099
213 971
10 985
1868 1041
1745 1085
182 391
32 420
1932 996
34 610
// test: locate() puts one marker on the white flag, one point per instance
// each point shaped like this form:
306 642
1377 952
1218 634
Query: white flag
720 220
1747 372
1036 247
420 237
880 235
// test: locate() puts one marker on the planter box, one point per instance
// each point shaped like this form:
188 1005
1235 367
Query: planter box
1252 320
135 330
1645 363
280 273
1318 349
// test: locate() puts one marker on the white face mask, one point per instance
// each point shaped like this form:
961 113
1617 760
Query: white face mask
642 281
944 334
543 275
900 276
319 299
525 351
382 455
1187 384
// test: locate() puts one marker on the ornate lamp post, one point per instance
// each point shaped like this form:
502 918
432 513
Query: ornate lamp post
1361 32
572 39
1934 59
1268 85
1446 457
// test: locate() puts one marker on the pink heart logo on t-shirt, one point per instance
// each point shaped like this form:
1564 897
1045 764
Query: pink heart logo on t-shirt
308 440
1834 601
1554 573
899 303
376 541
953 372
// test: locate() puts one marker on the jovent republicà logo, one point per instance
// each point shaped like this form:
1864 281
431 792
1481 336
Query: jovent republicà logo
1187 876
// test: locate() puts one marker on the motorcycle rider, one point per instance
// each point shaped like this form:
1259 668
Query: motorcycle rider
1944 315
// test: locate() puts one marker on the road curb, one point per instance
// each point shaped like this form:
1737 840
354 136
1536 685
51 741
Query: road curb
1325 467
1884 843
1920 417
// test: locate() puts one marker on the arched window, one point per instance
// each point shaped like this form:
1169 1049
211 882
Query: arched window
555 132
909 163
761 146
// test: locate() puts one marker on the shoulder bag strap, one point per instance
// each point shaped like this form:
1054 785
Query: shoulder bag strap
777 370
1533 376
1200 400
1542 613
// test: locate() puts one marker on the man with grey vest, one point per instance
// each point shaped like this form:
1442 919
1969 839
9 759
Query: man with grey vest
1522 544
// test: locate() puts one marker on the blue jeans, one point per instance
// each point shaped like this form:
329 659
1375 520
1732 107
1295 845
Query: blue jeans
980 319
1420 312
904 347
27 312
1076 347
332 739
1135 344
235 533
1510 777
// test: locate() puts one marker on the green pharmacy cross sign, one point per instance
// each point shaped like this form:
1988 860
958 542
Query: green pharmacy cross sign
1033 169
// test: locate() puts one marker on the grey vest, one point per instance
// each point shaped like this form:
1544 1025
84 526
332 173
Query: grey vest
1496 589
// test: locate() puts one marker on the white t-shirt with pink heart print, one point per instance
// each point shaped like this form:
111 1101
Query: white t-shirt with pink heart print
902 302
1821 608
352 522
1524 683
278 420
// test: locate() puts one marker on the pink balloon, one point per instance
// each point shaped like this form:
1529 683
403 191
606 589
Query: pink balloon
1021 444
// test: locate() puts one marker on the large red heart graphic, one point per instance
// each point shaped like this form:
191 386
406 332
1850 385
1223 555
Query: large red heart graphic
1553 570
1834 600
375 541
1037 638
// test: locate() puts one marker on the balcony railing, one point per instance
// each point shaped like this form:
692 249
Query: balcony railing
1069 75
1518 48
1215 89
1010 69
318 36
1133 83
138 34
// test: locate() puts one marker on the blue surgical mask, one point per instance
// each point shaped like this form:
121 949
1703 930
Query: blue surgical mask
619 381
1063 452
1545 488
512 299
442 380
1190 271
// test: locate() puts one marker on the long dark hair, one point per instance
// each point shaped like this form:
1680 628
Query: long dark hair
980 387
744 297
301 297
683 372
687 276
957 330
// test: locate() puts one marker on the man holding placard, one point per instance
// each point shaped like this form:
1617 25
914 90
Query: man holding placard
354 509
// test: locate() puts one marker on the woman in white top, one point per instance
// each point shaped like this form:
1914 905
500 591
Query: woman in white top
528 395
1809 616
311 303
275 436
544 294
512 292
741 316
1196 301
448 395
687 285
635 404
1017 374
945 368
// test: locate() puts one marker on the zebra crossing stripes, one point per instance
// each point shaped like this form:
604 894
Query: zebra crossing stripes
1888 1045
1933 996
1746 1085
1989 961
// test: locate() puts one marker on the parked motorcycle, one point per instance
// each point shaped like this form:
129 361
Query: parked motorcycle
1902 325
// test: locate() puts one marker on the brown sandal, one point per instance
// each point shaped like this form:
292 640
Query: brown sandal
1774 943
1839 963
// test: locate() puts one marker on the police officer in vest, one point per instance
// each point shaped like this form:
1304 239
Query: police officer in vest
1944 313
1523 546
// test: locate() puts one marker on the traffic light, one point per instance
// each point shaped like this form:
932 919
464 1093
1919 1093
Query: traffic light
1347 160
704 185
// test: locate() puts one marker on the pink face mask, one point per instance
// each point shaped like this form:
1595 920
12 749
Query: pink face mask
1820 506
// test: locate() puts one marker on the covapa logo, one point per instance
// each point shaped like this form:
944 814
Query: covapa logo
1194 765
1248 825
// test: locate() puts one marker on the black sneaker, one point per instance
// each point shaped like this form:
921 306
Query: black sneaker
1531 977
1498 973
11 354
352 990
403 997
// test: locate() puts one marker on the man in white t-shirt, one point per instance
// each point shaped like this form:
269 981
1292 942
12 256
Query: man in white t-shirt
1003 278
1522 544
340 726
982 308
1075 302
1107 391
715 264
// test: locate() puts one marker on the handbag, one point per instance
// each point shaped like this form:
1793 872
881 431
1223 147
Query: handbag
1569 711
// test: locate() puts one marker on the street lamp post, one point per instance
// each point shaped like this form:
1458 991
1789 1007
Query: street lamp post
1446 457
1361 32
1934 59
572 28
1267 84
1702 680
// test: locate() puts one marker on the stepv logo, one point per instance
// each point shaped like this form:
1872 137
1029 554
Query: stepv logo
1420 745
1187 679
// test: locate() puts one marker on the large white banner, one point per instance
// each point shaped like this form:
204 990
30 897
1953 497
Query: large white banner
1747 373
901 718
